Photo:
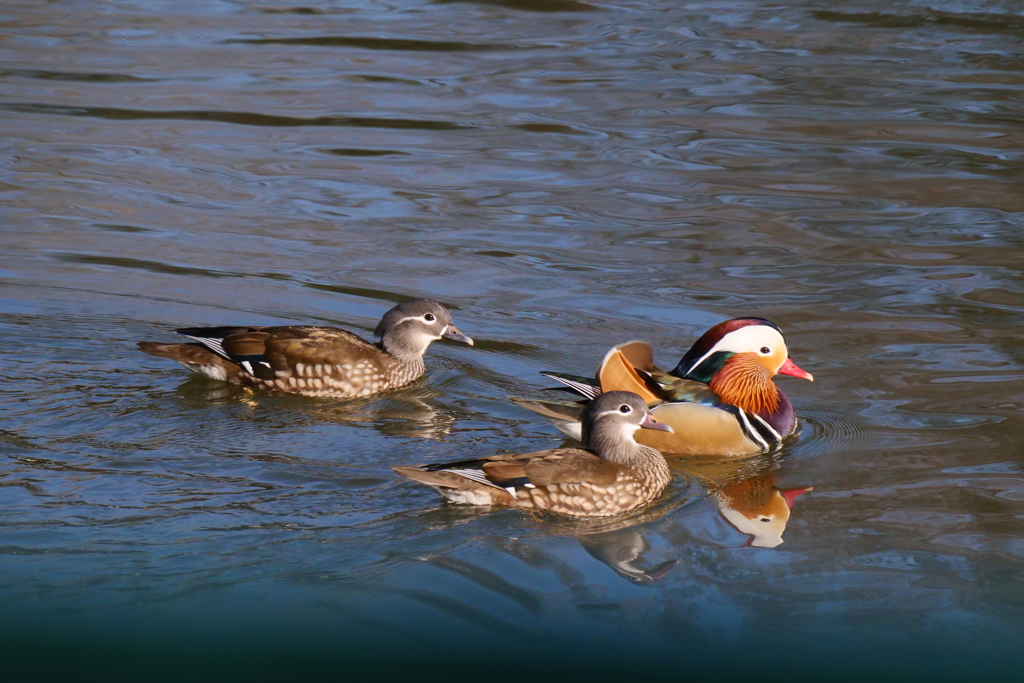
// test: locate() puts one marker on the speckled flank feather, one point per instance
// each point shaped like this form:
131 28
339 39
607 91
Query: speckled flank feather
331 362
630 489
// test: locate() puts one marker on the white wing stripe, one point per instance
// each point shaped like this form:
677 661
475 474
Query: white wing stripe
477 476
587 390
213 344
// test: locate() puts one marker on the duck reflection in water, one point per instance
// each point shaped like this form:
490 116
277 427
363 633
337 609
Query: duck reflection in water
747 496
411 414
408 412
624 552
745 493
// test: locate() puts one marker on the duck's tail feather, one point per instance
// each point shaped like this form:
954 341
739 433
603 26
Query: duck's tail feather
565 415
195 357
584 386
435 478
459 488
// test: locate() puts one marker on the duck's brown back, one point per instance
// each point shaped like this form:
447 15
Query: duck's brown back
576 482
320 361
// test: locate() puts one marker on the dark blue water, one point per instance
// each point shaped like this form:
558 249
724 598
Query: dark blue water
564 176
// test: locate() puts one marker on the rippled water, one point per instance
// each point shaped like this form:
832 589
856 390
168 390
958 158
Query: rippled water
565 175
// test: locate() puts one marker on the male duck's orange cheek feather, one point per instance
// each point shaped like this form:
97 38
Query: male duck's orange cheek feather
745 383
790 368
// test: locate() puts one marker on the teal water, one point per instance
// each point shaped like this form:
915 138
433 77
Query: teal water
564 176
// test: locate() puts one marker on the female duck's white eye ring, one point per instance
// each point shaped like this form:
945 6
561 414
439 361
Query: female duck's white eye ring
429 317
625 410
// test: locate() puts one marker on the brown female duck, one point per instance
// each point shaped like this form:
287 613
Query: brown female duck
613 475
720 399
317 361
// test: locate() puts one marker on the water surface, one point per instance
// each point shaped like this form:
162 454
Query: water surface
565 175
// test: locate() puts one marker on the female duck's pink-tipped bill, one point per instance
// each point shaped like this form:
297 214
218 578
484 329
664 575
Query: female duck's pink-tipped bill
790 368
650 423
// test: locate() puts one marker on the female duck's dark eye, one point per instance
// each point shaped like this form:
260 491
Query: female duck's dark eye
429 317
765 350
625 409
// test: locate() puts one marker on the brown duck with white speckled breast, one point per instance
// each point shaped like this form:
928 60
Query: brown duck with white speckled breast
317 361
613 475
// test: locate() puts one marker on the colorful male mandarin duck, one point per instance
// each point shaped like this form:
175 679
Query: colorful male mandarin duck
317 361
720 399
613 475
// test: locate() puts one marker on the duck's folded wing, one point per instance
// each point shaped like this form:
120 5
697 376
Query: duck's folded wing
675 390
228 342
563 466
241 345
492 474
633 354
299 350
617 373
553 410
530 470
639 354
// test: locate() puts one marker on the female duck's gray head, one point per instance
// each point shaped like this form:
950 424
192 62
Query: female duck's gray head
409 328
610 421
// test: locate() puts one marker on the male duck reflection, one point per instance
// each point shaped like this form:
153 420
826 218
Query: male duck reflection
747 495
758 508
613 475
720 399
317 361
